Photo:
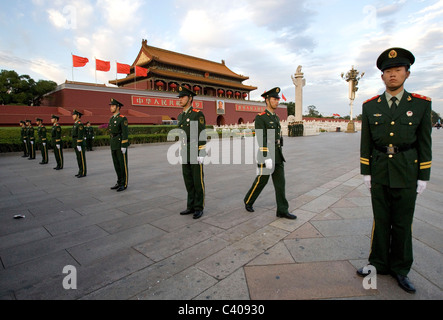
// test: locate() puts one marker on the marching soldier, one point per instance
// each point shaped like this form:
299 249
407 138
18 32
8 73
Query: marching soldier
89 136
193 151
30 139
41 133
57 143
270 156
78 134
24 138
396 159
118 130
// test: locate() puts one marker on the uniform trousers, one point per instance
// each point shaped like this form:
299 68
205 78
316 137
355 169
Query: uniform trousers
58 153
391 244
120 161
81 159
278 179
44 150
193 176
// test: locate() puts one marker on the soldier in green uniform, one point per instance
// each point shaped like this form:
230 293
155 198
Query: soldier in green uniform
30 139
193 150
78 134
57 143
24 137
41 133
118 130
89 136
270 156
396 159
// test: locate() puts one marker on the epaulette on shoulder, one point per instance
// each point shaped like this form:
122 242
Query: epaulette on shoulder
373 98
195 110
122 116
419 96
263 113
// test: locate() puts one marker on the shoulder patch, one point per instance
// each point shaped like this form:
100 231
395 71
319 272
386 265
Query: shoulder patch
121 116
263 113
419 96
373 98
195 110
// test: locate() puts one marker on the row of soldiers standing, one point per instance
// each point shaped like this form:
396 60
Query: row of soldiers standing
30 144
82 137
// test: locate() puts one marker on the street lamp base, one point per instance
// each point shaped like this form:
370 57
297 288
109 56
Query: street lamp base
351 127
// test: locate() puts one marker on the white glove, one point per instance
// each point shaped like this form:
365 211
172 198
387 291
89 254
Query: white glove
58 146
200 160
24 141
421 186
123 150
367 181
268 163
32 142
79 148
44 144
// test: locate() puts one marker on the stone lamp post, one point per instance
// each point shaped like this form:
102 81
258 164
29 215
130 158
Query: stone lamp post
352 77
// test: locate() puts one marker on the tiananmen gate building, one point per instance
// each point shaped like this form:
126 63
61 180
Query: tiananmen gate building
151 98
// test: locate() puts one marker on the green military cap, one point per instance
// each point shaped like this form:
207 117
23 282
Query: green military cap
28 121
21 121
39 119
183 91
115 103
395 57
55 117
273 93
77 113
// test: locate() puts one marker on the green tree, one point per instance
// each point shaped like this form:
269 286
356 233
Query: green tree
313 112
22 90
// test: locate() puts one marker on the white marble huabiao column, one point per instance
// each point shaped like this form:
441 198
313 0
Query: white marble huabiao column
299 83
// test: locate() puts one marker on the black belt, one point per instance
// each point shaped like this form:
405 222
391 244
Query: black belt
391 150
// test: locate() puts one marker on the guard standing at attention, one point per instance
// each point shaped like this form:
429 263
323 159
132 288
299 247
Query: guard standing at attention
30 139
41 133
24 137
57 143
270 156
193 150
89 136
396 159
78 134
118 131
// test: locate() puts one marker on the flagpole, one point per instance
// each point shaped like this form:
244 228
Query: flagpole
95 70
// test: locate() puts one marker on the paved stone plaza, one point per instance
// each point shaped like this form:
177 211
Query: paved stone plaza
135 245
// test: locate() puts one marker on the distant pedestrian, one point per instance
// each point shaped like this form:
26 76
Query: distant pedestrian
89 130
30 139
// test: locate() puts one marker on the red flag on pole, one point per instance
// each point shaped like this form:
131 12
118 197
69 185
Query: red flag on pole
101 65
123 68
79 61
283 96
139 71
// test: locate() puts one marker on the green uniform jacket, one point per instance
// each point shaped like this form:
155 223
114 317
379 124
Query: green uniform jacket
23 133
41 132
118 130
30 133
77 133
410 128
56 134
185 122
89 132
269 123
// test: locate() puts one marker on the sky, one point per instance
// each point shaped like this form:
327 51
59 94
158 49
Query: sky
262 39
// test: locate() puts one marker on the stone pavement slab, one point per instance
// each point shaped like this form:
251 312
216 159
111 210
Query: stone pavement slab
135 245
